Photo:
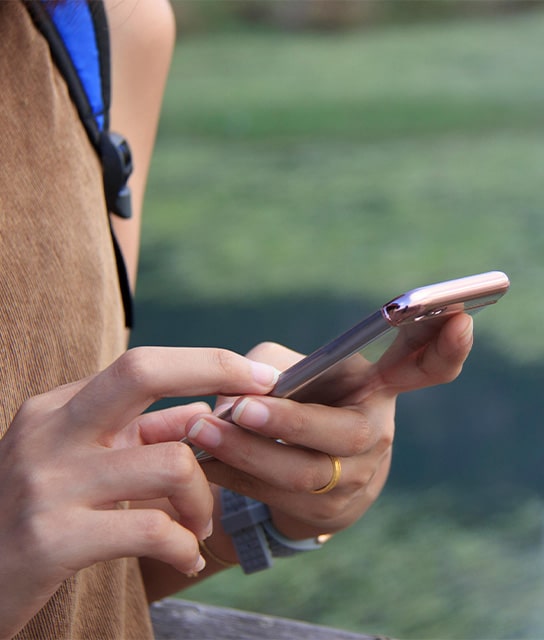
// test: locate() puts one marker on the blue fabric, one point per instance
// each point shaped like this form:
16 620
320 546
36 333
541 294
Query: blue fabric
74 23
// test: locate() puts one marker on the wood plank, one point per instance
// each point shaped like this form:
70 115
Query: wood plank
175 619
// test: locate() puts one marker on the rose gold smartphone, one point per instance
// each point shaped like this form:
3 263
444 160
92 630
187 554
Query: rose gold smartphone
431 303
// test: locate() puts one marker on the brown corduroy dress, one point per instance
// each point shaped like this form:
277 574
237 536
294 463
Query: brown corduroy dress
61 314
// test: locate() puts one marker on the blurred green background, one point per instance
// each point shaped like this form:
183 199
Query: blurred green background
315 159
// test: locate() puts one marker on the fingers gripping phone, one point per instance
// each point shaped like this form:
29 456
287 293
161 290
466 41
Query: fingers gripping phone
431 303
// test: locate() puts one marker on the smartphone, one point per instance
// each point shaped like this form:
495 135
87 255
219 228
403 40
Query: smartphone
432 303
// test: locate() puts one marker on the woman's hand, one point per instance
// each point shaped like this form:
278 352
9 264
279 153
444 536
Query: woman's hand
336 418
71 456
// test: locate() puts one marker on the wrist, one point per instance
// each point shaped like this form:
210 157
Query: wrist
291 528
256 539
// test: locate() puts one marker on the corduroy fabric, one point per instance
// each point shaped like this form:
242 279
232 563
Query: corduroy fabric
61 315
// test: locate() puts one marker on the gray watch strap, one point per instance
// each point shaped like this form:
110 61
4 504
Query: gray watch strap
283 547
241 519
255 538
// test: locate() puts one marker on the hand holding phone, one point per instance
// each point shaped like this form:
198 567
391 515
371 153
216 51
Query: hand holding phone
417 313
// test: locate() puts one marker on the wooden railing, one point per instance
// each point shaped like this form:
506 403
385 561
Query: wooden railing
175 619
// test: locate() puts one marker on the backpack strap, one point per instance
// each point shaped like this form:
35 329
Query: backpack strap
78 37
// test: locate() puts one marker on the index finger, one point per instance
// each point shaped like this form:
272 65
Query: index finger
144 375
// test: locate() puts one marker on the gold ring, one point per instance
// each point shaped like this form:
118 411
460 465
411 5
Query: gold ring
336 472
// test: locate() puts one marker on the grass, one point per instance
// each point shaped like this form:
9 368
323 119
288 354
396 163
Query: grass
357 165
407 571
300 179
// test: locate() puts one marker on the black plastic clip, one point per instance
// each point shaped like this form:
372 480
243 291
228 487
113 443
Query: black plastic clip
117 168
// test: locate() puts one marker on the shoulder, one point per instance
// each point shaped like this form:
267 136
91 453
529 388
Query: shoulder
149 22
142 37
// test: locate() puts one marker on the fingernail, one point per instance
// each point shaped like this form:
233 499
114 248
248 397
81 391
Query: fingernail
205 434
199 566
251 413
209 530
264 374
466 333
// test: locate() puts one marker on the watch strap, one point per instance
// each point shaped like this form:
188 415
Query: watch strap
282 547
241 519
255 538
